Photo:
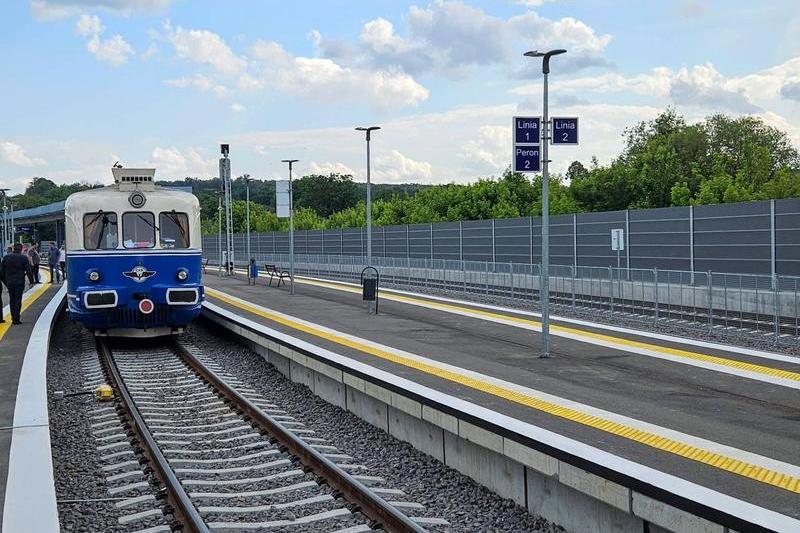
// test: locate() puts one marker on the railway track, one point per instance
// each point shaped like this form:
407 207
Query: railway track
231 461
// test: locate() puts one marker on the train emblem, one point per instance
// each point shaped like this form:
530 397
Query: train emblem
139 274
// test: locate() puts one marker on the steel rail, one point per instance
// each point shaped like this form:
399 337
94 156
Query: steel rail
180 501
370 504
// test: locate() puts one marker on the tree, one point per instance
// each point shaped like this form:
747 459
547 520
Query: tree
680 194
325 194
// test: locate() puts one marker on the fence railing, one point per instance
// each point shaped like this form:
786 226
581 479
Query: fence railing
716 302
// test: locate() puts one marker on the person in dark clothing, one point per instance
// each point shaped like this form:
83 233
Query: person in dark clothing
13 270
36 260
52 261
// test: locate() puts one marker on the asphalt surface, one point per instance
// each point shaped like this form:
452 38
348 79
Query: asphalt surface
12 353
747 414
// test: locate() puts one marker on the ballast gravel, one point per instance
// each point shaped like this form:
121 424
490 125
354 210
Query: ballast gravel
84 504
444 492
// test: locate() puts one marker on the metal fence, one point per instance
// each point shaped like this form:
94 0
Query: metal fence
717 303
759 238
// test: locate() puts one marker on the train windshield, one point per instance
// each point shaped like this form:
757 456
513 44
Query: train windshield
174 230
138 230
100 231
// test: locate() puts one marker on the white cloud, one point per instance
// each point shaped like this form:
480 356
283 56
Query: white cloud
89 25
700 86
329 168
236 107
325 79
53 9
13 153
451 37
114 51
202 83
206 47
490 150
397 168
174 163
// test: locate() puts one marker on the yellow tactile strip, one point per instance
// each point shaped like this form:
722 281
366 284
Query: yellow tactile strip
712 359
26 302
723 462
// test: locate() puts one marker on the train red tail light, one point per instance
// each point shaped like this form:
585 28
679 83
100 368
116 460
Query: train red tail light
146 306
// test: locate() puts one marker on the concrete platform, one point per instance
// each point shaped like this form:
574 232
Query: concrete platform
14 340
601 387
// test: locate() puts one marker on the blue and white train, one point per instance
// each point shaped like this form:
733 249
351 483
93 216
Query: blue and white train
133 257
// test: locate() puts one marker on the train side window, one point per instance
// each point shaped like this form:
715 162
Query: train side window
138 230
100 231
174 229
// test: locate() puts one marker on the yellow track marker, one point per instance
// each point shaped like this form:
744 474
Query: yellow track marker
712 359
27 300
647 438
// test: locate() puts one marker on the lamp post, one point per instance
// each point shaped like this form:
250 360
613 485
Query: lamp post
369 131
247 216
291 226
545 288
219 231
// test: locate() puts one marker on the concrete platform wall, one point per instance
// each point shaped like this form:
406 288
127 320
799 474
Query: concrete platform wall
580 501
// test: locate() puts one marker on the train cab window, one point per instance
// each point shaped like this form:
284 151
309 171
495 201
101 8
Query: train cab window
174 229
100 231
138 230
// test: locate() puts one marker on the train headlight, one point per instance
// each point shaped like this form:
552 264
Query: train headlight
182 274
94 275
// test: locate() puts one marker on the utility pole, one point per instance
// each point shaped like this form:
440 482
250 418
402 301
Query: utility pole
291 226
247 199
545 288
225 176
368 131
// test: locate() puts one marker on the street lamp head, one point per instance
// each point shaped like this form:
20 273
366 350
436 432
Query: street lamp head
369 130
546 55
290 161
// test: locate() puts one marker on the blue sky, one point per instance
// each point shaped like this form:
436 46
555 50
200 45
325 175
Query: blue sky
163 82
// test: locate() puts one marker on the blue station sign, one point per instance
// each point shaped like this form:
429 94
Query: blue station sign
527 158
527 130
564 130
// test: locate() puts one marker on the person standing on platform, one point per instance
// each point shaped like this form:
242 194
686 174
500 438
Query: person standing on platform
13 270
36 260
2 318
62 262
52 262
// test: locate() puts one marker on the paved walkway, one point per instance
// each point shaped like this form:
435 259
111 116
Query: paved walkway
13 342
723 418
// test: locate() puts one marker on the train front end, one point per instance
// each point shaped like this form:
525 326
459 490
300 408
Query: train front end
134 257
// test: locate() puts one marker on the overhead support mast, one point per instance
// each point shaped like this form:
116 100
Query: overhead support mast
225 178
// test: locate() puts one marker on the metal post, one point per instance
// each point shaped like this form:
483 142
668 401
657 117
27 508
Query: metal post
219 233
575 240
545 288
291 226
247 186
461 241
655 295
710 304
691 243
775 306
291 234
494 256
773 270
610 288
369 131
628 243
